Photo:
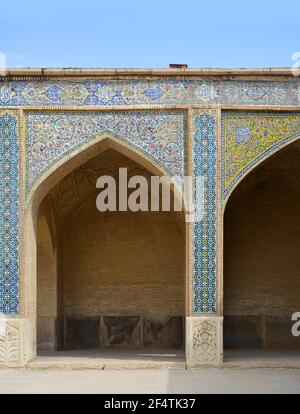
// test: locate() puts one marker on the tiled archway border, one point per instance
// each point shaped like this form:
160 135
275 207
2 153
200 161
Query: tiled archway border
52 137
86 149
280 141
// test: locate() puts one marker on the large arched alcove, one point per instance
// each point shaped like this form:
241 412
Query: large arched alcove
120 275
261 255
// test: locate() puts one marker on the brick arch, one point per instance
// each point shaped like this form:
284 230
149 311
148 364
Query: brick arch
28 270
249 178
260 221
238 121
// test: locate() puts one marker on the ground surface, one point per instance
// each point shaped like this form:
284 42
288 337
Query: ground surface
153 371
151 381
158 359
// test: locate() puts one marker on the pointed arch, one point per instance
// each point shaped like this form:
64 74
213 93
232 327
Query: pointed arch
261 230
42 187
243 174
100 144
52 138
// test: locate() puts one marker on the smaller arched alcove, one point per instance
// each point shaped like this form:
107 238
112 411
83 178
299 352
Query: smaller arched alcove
261 255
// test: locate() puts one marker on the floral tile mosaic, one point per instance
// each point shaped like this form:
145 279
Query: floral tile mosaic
250 137
204 154
9 213
149 92
52 136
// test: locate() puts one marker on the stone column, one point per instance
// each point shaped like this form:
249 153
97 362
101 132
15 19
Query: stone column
17 329
204 324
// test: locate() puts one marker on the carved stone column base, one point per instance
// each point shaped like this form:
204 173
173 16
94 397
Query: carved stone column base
17 341
204 341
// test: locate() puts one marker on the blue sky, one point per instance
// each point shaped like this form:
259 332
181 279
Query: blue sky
114 33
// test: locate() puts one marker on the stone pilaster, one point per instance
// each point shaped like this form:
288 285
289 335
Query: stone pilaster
17 342
204 341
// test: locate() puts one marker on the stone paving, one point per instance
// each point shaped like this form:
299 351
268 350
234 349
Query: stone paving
151 381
